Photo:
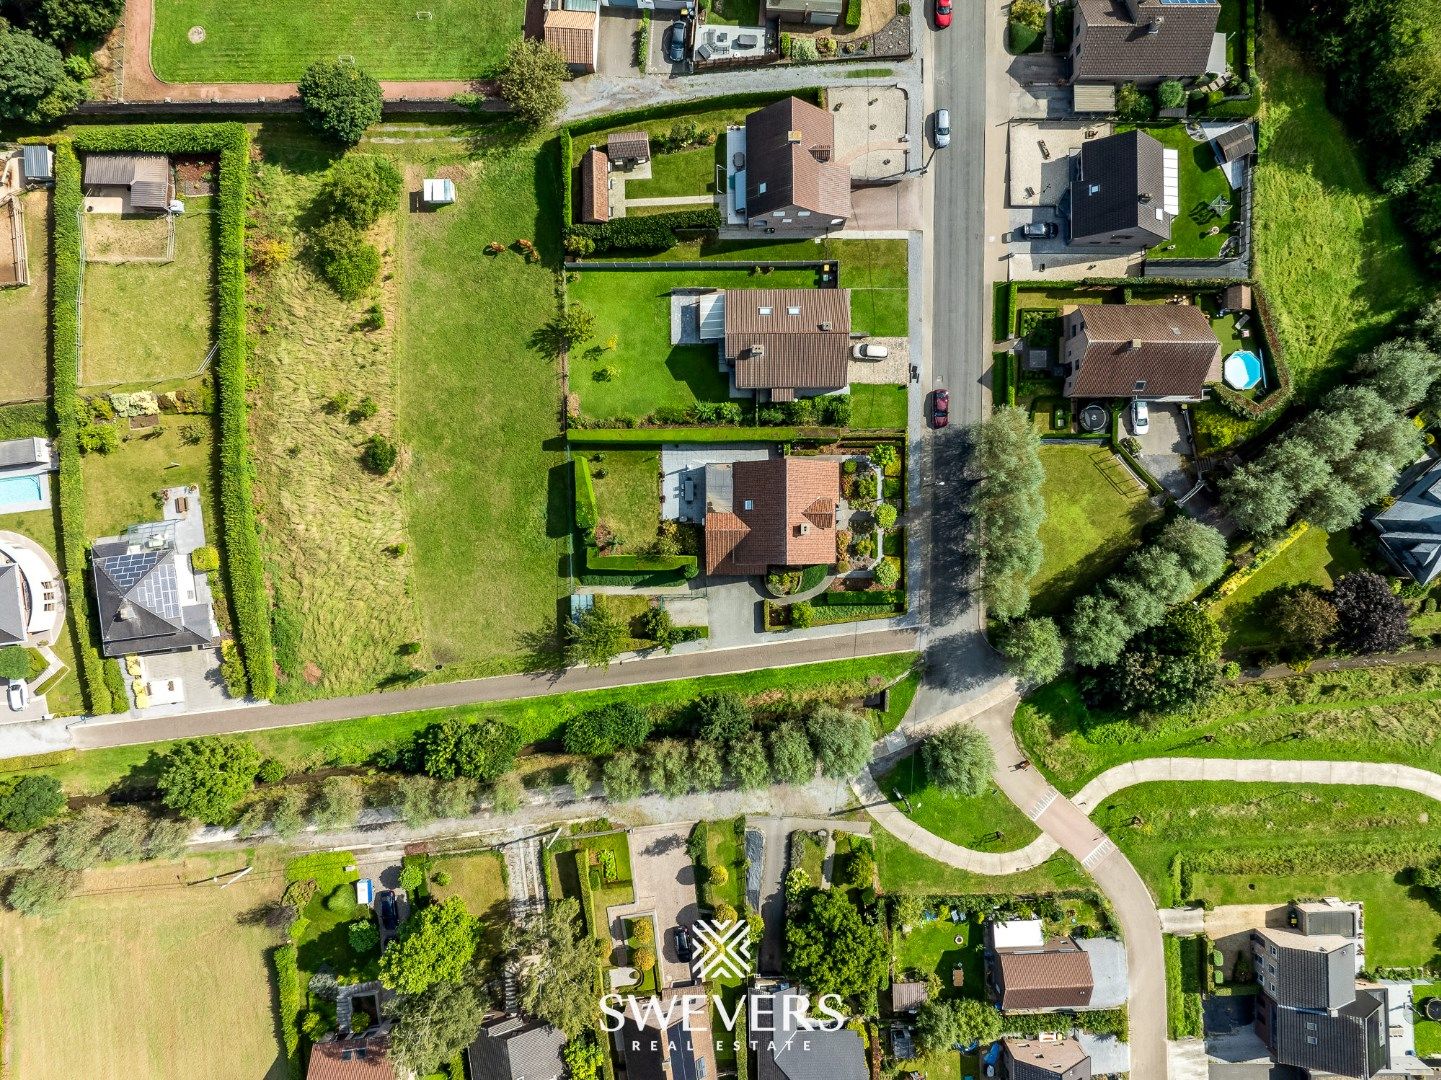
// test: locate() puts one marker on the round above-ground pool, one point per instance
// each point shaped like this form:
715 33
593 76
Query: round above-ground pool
1243 370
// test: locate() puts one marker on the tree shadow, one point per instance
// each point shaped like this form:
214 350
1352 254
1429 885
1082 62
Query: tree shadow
542 649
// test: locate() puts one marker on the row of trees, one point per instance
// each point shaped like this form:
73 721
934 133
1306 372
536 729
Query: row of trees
1009 510
1362 614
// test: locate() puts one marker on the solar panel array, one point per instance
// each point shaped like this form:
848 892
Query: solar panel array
132 572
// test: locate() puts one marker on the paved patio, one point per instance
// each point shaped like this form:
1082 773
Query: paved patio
683 472
1040 158
871 126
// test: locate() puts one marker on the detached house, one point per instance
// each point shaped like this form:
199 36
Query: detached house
1125 192
656 1050
792 182
1410 528
1145 41
778 512
1159 352
1056 1059
788 342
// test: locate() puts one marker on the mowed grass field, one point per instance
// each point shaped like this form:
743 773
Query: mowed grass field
487 486
1327 246
143 322
276 40
25 311
136 977
628 496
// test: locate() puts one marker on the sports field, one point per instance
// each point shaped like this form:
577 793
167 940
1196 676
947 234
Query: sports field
276 40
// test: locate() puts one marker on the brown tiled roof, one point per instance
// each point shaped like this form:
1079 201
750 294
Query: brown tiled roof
1238 297
1117 43
1235 143
594 186
787 348
789 147
1057 976
351 1059
572 34
1031 1059
1171 347
628 145
781 513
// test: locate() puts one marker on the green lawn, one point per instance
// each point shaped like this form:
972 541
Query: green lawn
1315 558
144 322
903 869
972 821
878 406
479 880
276 40
807 852
120 486
25 311
1328 248
1201 181
357 741
633 309
684 172
932 947
725 846
1428 1032
628 496
487 487
1094 516
322 942
734 12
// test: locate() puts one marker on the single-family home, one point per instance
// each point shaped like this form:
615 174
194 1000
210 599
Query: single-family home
148 596
627 149
1051 976
1145 41
594 187
514 1048
1051 1059
128 183
575 35
787 342
656 1050
1159 352
790 1048
364 1058
1125 192
792 182
1410 528
777 512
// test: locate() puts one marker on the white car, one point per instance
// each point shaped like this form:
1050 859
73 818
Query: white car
1140 417
943 128
866 351
18 695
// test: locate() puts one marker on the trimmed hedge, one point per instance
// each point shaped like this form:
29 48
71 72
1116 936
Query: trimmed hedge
35 761
635 564
1099 1022
291 997
586 513
567 178
853 14
879 598
65 342
654 232
244 571
616 120
657 436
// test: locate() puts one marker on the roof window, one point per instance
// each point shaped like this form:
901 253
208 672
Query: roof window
793 310
1140 384
749 504
764 310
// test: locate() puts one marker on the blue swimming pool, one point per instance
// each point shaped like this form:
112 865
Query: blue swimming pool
1243 370
19 491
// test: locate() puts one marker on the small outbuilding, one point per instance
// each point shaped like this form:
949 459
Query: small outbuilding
594 187
140 181
1233 144
628 148
437 192
38 165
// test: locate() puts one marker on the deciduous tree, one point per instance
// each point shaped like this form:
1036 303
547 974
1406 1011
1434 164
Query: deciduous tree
791 759
34 86
1371 617
432 1027
595 638
841 739
207 778
959 759
1034 650
477 749
531 79
359 188
946 1023
831 948
556 979
435 946
30 802
340 100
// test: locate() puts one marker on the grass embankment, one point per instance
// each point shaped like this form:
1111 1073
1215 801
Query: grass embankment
357 741
275 40
903 869
25 311
73 1004
985 822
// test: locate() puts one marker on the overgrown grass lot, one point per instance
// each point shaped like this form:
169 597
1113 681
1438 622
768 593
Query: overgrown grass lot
25 311
1094 516
143 322
972 821
1376 714
276 40
131 981
1151 822
1327 246
1202 181
1315 558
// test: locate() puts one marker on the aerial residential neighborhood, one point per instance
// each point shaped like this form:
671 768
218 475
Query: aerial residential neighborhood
781 539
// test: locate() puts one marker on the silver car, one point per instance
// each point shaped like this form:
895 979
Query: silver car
943 128
1140 417
867 351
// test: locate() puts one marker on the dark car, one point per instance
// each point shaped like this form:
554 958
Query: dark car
1039 230
683 948
943 14
675 43
389 912
940 408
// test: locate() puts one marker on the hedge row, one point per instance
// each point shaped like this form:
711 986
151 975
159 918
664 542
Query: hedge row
35 761
859 599
1100 1022
1152 484
653 232
291 997
567 182
630 117
586 511
658 436
853 14
65 340
248 598
636 564
1183 1008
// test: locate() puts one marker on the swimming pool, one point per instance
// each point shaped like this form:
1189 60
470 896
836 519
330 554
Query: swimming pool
1243 370
17 491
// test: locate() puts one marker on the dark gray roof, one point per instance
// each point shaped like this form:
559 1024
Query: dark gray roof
1234 143
37 162
1410 527
818 1055
648 1051
513 1048
1142 40
1305 971
141 600
1118 188
12 606
146 175
803 7
16 452
1348 1042
1320 918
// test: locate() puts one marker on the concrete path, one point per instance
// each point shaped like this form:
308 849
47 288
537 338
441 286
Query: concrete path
1183 921
674 200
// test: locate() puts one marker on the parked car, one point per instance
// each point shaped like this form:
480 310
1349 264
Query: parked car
867 351
1039 230
940 408
683 948
1140 417
943 128
943 14
18 695
675 43
388 910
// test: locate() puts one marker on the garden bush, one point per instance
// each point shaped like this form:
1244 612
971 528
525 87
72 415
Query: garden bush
340 100
205 560
653 232
379 455
344 258
359 188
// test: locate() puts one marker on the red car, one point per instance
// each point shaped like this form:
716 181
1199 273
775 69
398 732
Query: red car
943 14
940 408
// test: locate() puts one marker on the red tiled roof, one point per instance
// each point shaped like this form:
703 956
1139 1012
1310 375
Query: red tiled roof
790 520
572 34
351 1059
594 187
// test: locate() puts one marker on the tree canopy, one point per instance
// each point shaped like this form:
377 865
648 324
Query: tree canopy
607 729
207 778
435 946
841 740
477 749
723 717
1371 618
944 1023
531 79
340 100
34 85
556 979
1009 509
359 188
433 1026
831 948
1034 650
595 638
30 802
959 759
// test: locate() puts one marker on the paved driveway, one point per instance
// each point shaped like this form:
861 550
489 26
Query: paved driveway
618 31
735 613
665 884
1166 448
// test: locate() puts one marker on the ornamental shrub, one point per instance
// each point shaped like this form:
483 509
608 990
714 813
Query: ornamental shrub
205 560
359 188
348 262
379 455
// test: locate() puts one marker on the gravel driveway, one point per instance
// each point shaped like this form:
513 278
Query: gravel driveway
665 884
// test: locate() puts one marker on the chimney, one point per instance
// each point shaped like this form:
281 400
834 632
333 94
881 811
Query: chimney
793 136
1155 25
1145 196
825 326
803 528
1135 343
